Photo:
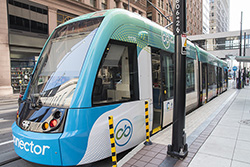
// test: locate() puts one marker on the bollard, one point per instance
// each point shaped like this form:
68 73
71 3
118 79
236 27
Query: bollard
147 142
112 141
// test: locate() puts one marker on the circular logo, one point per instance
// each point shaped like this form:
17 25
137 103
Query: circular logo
166 39
123 132
169 105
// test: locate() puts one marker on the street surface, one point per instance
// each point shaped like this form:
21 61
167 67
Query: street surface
8 110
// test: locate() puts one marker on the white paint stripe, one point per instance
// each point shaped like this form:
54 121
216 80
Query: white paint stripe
7 142
8 111
5 130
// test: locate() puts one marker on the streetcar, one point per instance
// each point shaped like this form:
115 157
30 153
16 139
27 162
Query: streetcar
100 64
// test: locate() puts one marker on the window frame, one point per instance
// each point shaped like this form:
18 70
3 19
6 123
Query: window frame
134 80
192 87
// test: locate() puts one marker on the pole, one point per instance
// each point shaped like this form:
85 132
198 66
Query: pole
239 77
179 147
128 5
244 54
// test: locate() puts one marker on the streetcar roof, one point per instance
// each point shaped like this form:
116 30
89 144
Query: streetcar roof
138 20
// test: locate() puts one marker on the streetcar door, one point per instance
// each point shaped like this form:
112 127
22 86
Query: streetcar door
160 85
219 83
204 83
157 89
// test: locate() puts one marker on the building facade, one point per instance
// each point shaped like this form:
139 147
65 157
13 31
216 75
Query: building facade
219 16
164 7
194 17
205 17
193 12
26 24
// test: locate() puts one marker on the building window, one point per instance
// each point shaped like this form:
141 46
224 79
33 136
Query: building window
24 22
148 4
159 18
125 6
149 15
93 3
117 77
104 4
39 27
117 4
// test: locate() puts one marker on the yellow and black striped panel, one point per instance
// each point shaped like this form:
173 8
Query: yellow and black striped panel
112 141
147 121
147 142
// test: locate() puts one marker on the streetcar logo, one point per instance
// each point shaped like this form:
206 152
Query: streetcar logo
26 124
30 147
166 39
169 105
123 132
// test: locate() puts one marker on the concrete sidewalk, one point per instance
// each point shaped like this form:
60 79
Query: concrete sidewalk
218 135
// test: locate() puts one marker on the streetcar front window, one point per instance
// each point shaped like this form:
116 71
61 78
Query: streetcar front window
59 66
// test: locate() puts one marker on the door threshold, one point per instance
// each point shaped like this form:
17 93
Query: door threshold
156 130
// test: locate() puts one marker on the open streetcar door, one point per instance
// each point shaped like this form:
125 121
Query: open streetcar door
162 86
204 83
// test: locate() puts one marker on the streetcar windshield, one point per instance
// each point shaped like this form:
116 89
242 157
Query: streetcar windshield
59 66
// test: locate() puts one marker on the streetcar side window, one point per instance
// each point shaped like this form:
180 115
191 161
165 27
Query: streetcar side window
211 76
190 80
117 77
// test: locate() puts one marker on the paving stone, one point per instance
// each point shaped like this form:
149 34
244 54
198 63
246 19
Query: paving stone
131 161
151 154
156 161
137 156
160 156
146 158
140 164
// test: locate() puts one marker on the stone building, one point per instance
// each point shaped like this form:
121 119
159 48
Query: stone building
219 16
26 24
194 14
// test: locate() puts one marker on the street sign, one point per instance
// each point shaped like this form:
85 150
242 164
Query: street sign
183 44
179 17
234 68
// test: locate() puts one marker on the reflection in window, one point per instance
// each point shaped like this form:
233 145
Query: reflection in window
190 80
117 78
168 73
58 68
63 17
211 76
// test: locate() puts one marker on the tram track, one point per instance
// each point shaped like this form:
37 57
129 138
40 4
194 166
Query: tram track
9 161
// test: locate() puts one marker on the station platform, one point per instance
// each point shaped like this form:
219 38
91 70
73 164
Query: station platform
218 135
